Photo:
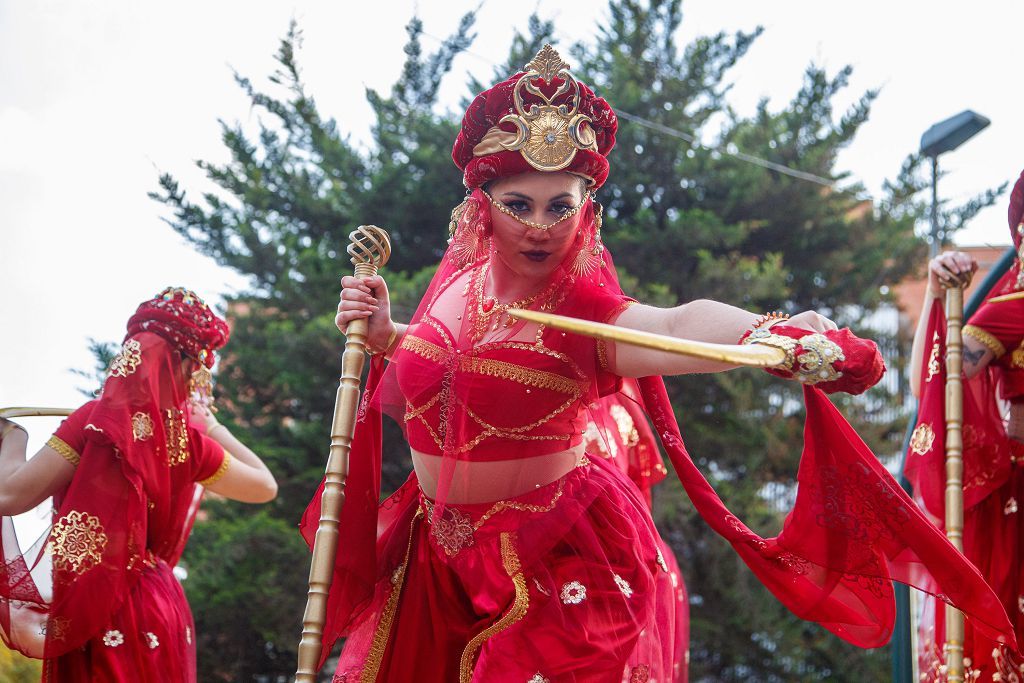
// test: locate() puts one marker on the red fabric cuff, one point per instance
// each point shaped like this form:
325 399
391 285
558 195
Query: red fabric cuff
836 360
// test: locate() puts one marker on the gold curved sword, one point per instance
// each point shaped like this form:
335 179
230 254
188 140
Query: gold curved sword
1005 297
754 355
16 411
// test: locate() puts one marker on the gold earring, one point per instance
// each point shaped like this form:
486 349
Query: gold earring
200 388
589 258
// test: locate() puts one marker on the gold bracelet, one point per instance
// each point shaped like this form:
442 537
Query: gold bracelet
387 346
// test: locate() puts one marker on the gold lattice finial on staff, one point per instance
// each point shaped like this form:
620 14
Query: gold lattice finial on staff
954 647
370 249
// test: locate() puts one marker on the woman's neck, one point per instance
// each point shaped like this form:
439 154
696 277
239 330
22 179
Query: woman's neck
507 285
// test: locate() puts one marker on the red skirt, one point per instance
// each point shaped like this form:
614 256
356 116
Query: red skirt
150 638
567 583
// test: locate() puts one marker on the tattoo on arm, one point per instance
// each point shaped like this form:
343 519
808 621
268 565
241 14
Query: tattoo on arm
973 357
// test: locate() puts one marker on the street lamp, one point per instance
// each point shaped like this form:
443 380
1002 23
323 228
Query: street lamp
946 136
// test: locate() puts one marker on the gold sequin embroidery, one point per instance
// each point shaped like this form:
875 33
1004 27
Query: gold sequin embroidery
127 360
922 438
77 542
213 478
177 437
65 451
142 426
624 421
986 338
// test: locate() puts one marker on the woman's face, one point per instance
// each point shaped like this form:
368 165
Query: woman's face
542 198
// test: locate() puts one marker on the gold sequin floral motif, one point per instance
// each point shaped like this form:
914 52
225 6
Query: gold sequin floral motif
77 542
128 360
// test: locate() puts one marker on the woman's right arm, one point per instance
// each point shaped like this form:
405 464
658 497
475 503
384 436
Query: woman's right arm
243 476
24 483
947 267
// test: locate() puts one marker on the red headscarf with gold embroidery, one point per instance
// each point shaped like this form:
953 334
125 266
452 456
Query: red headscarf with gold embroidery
541 118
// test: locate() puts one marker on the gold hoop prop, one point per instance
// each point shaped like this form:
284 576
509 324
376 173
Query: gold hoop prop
18 411
754 356
954 646
370 248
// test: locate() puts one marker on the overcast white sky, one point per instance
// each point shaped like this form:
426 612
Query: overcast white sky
97 98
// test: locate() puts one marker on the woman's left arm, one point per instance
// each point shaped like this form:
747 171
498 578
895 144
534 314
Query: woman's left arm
701 320
26 483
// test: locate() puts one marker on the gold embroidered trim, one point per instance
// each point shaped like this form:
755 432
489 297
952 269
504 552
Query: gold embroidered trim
540 379
520 605
65 451
503 505
383 631
221 471
423 348
602 345
76 542
986 338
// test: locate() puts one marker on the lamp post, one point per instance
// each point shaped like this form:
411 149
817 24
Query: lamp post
945 136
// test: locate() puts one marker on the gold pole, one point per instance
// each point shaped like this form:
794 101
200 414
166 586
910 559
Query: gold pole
954 648
370 249
18 411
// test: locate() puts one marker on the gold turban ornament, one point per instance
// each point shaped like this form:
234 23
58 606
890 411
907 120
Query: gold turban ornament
547 135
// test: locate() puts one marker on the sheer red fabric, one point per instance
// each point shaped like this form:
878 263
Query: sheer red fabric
95 596
852 530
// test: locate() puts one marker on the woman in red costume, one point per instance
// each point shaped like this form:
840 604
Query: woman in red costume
513 554
993 435
95 596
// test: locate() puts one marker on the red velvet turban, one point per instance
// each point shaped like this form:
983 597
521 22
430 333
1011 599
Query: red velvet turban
576 139
182 318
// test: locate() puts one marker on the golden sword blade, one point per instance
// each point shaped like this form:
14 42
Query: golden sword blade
1005 297
16 411
754 355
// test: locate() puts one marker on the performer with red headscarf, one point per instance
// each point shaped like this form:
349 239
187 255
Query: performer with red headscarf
95 596
513 554
993 449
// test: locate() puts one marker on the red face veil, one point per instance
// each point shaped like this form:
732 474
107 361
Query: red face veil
132 499
523 394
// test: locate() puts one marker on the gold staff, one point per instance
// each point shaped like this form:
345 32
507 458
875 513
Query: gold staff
17 411
754 355
370 249
954 648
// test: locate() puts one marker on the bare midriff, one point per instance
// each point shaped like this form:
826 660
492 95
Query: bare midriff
487 482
